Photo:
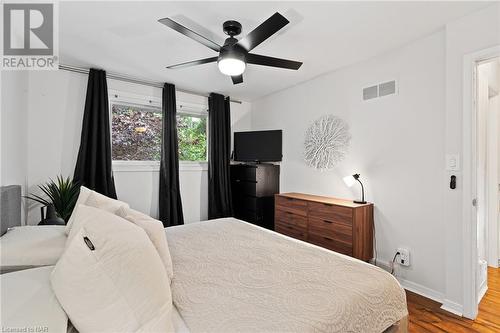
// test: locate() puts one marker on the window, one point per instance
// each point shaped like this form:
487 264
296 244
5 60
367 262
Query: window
136 133
136 123
192 134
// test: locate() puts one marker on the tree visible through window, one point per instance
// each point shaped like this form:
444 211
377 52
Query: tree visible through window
192 134
136 134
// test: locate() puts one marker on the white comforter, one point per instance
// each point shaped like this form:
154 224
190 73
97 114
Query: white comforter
28 303
230 276
31 246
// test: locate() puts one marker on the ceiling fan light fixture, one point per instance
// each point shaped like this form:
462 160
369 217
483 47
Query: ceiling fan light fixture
234 54
231 66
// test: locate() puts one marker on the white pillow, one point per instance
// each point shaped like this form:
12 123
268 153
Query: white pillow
92 198
82 198
156 232
111 278
81 215
28 302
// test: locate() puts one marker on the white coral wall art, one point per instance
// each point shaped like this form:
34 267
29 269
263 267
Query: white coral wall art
326 142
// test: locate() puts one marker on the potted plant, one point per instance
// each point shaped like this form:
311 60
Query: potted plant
61 196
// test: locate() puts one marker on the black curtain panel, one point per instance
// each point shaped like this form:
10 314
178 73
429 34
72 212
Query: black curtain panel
93 165
219 186
170 204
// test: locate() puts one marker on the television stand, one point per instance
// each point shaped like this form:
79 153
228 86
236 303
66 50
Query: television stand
253 187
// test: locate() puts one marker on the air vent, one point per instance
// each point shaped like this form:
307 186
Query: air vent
379 90
370 92
387 88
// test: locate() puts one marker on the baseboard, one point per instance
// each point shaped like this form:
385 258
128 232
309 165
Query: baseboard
437 296
422 290
482 291
452 307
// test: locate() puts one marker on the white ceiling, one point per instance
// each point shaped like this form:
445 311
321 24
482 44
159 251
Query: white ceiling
125 37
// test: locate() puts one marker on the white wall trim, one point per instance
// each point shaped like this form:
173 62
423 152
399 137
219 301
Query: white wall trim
117 96
154 166
452 307
469 227
419 289
482 291
492 189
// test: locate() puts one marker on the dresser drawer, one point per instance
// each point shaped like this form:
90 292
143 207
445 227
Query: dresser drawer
335 230
330 213
243 172
245 202
244 187
295 206
292 219
330 243
290 230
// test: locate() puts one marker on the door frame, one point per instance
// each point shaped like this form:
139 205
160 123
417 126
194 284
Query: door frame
469 153
492 189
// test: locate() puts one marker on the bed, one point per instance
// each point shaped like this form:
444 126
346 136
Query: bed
31 246
23 247
28 304
231 276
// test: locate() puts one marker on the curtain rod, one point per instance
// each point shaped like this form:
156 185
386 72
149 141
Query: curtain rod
126 78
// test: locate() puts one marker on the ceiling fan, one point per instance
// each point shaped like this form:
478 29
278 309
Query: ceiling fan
235 54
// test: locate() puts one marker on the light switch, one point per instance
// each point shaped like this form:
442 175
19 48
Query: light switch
452 162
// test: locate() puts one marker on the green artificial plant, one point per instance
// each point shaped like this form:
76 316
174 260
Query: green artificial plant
62 194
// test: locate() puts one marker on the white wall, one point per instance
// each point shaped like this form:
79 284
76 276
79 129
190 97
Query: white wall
397 147
14 111
56 103
474 32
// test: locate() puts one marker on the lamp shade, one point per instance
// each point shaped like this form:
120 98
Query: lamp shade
349 180
231 66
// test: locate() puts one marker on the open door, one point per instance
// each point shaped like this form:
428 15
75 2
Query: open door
486 170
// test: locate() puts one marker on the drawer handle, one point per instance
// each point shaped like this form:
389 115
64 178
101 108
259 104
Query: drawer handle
328 239
326 221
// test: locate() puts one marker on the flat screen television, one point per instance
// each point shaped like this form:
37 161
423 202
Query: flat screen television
258 146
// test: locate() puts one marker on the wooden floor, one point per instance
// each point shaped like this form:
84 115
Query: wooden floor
426 316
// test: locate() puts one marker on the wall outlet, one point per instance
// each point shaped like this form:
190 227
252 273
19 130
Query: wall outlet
404 257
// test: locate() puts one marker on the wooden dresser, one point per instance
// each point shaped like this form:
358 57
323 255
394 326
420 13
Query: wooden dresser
336 224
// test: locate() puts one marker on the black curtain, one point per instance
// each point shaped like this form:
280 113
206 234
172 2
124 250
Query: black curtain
93 166
170 204
219 186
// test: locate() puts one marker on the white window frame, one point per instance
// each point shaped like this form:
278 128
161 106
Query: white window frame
144 101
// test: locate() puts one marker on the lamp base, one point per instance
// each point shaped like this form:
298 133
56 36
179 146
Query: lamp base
359 202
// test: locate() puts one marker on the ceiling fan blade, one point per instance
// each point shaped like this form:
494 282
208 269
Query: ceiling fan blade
257 59
237 79
190 33
268 28
193 63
